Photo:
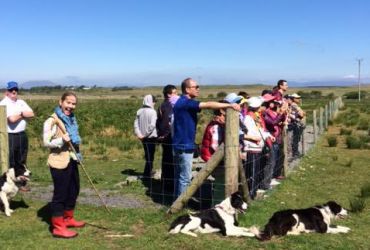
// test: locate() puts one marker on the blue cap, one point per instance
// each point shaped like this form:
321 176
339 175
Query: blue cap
11 85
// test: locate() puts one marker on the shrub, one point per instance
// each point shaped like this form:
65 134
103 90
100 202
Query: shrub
344 131
334 157
363 124
365 190
210 96
332 140
353 142
221 94
354 94
315 94
349 117
330 95
357 204
349 163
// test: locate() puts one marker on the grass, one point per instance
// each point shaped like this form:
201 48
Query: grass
317 180
322 175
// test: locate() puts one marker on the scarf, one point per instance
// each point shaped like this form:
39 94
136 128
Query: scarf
71 125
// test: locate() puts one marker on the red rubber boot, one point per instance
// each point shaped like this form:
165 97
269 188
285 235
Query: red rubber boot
70 221
60 229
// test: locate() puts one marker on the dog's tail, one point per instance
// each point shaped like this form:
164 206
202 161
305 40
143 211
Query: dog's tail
261 235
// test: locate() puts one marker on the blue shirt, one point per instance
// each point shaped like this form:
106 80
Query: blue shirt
185 123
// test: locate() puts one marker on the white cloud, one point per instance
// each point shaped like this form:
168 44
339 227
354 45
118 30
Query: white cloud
349 77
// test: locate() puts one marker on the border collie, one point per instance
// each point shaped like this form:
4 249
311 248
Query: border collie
221 218
296 221
9 183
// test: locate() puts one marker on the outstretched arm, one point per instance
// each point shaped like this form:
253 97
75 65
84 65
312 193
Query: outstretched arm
218 105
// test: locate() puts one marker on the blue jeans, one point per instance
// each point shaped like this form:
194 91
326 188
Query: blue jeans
183 164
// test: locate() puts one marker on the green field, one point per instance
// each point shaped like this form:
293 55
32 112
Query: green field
109 148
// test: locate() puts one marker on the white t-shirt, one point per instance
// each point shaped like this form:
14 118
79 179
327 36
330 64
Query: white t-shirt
14 108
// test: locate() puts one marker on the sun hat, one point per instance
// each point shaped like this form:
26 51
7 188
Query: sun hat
255 101
295 95
11 85
268 97
233 98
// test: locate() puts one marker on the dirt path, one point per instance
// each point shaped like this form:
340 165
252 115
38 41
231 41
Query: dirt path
88 196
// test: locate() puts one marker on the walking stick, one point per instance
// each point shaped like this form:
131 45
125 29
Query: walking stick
83 167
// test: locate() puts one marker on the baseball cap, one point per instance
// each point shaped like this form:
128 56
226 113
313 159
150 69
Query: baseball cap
255 101
233 98
11 85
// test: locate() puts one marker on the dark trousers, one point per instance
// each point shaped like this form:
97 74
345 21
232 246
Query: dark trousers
276 162
168 167
266 168
18 149
296 134
252 172
149 150
66 188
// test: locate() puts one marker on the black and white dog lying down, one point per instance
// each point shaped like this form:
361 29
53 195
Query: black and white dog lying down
9 183
221 218
296 221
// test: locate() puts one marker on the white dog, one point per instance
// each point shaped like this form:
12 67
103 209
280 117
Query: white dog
9 183
221 218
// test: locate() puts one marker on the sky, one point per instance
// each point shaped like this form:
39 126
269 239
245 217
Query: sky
153 42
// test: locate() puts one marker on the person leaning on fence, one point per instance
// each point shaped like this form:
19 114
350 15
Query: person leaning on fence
242 101
185 123
145 130
296 123
254 142
164 121
275 117
63 164
214 135
17 113
279 90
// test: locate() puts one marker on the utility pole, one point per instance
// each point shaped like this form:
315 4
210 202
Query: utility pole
359 60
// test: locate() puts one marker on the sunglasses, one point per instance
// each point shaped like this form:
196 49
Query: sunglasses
196 87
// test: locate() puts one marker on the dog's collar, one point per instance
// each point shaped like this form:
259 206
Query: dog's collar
223 209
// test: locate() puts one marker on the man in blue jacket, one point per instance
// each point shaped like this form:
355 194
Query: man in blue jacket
185 124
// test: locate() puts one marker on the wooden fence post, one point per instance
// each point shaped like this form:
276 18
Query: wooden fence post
321 121
198 180
314 121
231 151
303 142
4 143
326 116
285 150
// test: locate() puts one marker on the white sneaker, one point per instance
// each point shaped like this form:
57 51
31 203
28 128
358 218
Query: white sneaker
274 182
261 191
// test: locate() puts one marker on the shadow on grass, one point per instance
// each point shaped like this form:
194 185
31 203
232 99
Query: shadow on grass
44 214
131 171
160 193
18 204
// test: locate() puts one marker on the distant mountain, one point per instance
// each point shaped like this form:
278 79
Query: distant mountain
41 83
343 82
330 83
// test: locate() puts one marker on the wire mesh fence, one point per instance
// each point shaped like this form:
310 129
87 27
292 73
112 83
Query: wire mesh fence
263 171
